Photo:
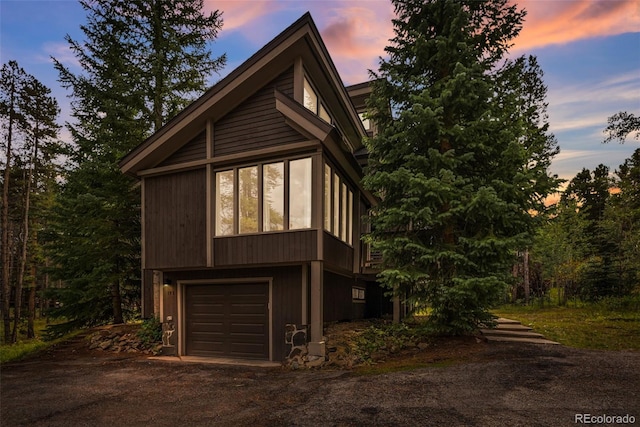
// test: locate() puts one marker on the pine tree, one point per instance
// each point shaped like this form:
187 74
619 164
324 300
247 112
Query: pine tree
459 163
29 116
142 62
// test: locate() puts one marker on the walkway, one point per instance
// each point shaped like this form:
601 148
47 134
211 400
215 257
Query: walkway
508 330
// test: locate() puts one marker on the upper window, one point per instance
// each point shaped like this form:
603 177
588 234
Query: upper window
365 122
252 199
312 102
310 97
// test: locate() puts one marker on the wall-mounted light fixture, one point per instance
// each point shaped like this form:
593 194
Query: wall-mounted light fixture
167 281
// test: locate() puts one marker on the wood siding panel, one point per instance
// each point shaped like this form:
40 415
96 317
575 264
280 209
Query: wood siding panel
175 220
286 296
256 123
268 248
337 254
338 304
196 149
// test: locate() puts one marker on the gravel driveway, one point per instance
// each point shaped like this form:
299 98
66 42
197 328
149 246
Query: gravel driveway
502 385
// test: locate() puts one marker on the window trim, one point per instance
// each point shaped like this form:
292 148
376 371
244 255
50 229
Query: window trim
236 209
341 219
320 102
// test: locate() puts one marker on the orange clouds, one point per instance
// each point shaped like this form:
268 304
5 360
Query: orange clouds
240 13
356 34
563 21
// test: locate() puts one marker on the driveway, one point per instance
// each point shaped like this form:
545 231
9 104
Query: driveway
501 385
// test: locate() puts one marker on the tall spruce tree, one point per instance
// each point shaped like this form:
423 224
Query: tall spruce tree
142 61
460 162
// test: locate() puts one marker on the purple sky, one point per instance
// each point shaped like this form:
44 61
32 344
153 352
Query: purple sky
589 51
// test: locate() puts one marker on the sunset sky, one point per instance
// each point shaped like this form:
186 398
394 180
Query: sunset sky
589 51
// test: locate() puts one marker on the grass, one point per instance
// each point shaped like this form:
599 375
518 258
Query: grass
24 346
612 324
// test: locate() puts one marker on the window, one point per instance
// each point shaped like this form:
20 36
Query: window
224 203
312 102
338 206
357 294
273 196
324 114
300 194
350 219
248 200
365 122
310 97
251 199
327 197
343 212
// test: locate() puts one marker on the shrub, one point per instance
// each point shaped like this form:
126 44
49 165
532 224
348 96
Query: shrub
151 331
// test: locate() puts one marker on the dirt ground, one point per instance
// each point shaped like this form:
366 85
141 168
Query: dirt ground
453 383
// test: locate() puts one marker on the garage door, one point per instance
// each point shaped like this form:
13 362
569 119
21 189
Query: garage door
227 320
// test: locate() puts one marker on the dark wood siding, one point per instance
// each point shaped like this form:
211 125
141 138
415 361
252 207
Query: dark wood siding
175 220
286 295
196 149
269 248
338 304
337 253
256 123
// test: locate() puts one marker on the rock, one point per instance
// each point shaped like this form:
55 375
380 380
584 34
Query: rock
314 361
104 345
423 346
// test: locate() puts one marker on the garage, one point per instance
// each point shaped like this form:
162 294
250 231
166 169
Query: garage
227 320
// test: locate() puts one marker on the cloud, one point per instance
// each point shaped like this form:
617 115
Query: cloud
356 34
59 51
238 14
565 21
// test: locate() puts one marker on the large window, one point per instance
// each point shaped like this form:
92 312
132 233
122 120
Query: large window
252 199
300 194
338 206
327 197
248 199
273 196
224 202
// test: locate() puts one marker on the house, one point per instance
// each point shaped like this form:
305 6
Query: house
252 206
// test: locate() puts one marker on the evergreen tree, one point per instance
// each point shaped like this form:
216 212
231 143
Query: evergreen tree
460 162
142 62
28 114
621 227
621 125
587 195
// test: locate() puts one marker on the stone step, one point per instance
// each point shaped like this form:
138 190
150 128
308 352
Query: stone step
512 327
521 340
503 321
523 333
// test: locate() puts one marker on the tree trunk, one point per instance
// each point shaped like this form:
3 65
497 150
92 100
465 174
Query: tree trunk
6 273
525 270
25 240
31 320
116 300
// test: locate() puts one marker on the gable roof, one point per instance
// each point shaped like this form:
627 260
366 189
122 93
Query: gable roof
301 39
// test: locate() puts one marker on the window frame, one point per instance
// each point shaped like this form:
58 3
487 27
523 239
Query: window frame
337 199
321 105
235 232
